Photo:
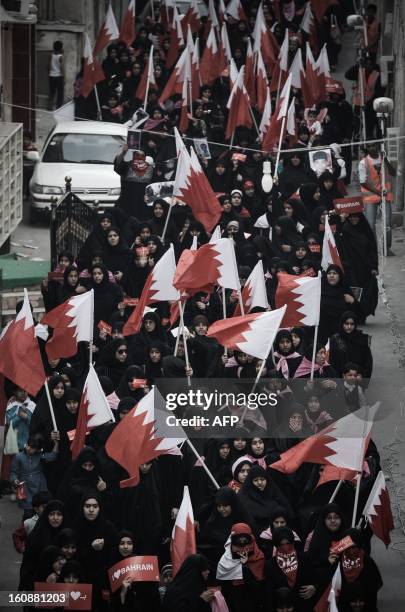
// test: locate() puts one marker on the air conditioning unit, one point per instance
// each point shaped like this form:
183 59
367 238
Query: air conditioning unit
21 10
393 134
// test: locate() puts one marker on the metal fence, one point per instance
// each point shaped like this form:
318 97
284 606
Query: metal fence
71 222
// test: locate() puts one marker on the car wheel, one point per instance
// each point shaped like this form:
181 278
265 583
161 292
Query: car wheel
33 216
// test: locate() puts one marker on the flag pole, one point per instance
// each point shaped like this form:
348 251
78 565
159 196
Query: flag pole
356 499
279 146
336 491
254 120
242 308
185 341
278 86
167 220
92 331
224 314
99 115
180 329
150 59
204 465
314 352
48 395
231 143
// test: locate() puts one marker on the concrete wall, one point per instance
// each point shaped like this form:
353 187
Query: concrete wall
399 92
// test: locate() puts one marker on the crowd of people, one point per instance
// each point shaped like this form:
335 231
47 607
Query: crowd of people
264 539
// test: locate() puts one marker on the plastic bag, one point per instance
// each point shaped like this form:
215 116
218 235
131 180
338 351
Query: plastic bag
10 445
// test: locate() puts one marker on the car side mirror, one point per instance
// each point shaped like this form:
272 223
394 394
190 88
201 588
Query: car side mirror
32 155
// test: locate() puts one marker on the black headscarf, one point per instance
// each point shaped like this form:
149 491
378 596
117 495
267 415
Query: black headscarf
217 528
188 584
108 364
260 504
322 538
116 258
123 390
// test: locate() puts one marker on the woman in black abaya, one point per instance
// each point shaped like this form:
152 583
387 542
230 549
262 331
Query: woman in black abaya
227 510
350 344
140 508
51 522
358 248
188 591
114 360
107 295
95 536
116 254
260 495
132 596
336 298
330 528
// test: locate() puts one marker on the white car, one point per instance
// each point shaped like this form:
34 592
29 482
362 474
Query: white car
85 151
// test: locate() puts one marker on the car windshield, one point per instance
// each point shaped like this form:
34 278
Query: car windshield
83 148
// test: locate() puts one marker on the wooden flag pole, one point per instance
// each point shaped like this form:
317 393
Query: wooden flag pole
204 465
145 101
314 352
279 146
224 314
185 341
92 330
336 491
356 499
167 220
48 395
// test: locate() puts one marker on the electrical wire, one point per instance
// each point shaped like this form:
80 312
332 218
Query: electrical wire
353 143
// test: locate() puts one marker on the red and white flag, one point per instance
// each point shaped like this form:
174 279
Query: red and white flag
108 31
302 296
184 117
235 10
20 357
181 73
222 11
213 264
239 112
330 254
323 72
212 19
378 510
342 444
183 535
291 123
233 73
327 603
147 79
311 91
92 71
176 39
252 334
192 187
195 70
224 53
158 288
128 32
209 60
272 136
297 71
250 74
330 473
136 438
192 18
309 27
266 116
94 410
265 40
254 293
262 83
279 74
72 322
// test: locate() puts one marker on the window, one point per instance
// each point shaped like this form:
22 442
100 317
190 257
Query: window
83 148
